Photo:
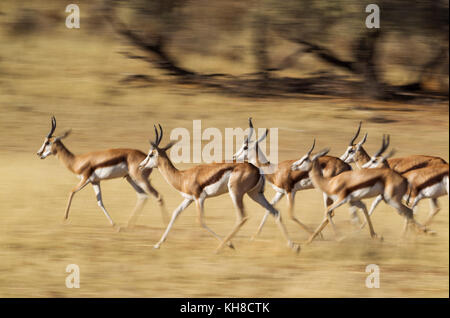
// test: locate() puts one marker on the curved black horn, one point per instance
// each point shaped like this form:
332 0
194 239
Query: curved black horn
383 147
156 137
52 130
250 134
263 136
161 135
352 142
312 147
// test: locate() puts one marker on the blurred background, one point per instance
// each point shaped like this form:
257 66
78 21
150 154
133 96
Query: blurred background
308 67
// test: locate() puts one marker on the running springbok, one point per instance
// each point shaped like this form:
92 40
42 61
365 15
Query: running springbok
94 167
353 186
209 180
284 180
402 165
429 182
357 154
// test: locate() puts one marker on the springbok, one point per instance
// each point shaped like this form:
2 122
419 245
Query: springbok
357 154
429 182
94 167
209 180
283 179
353 186
402 165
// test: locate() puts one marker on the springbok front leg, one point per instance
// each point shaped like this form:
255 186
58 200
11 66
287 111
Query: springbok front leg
142 197
84 182
375 203
291 202
327 217
258 196
144 183
98 194
240 217
278 196
186 202
199 203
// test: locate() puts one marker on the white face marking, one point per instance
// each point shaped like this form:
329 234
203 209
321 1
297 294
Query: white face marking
151 160
347 152
116 171
304 164
218 187
45 150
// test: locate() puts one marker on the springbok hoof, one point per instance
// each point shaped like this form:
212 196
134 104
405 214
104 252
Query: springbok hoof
230 245
378 237
65 221
295 247
156 246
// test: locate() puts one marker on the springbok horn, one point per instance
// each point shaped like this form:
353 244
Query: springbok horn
312 148
161 135
352 142
250 134
52 130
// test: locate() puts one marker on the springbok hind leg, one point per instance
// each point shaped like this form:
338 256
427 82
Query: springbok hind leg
274 201
409 216
240 217
434 209
201 212
259 198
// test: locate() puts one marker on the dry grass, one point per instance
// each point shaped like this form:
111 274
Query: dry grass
76 78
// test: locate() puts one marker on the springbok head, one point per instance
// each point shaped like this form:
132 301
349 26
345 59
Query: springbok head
305 162
353 149
377 160
156 152
50 141
248 146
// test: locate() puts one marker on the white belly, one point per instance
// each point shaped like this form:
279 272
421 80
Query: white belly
368 192
434 191
116 171
219 187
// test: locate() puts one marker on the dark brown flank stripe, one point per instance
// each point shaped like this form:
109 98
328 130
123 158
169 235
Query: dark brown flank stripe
216 177
432 181
414 167
111 162
368 183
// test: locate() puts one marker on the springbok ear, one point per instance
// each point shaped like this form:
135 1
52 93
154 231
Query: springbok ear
64 135
169 145
320 154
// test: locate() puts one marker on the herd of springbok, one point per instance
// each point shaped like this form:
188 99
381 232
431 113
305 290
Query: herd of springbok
400 182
